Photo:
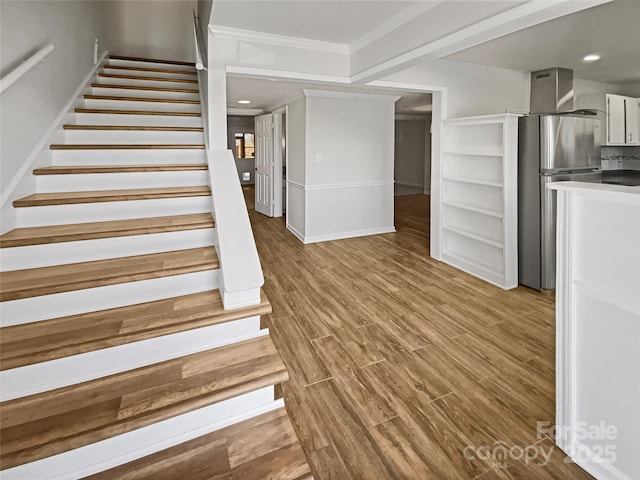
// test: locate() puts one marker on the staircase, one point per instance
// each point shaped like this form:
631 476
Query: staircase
117 356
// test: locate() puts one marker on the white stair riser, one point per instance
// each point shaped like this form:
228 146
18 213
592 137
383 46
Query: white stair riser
145 83
126 92
143 73
164 66
107 211
149 106
124 119
133 136
116 181
139 443
42 377
27 310
128 156
35 256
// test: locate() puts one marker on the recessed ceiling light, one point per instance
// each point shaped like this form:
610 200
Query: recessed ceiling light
591 57
244 102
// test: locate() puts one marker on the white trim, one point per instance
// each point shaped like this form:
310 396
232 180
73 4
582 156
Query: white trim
342 235
423 117
269 72
347 185
517 18
595 465
409 184
239 34
330 186
369 97
415 87
295 232
394 22
44 140
124 448
244 112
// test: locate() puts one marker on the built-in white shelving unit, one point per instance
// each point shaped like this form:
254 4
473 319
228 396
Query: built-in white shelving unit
479 217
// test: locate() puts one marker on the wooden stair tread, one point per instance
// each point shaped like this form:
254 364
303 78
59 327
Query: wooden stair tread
146 79
21 237
144 87
126 146
150 128
61 337
76 169
65 198
141 99
34 282
52 422
136 112
152 60
261 447
155 70
118 228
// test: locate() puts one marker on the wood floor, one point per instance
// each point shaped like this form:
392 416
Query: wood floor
397 362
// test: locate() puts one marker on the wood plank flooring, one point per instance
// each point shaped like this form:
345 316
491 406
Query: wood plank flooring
34 282
31 343
261 448
45 424
142 87
66 198
86 169
398 362
21 237
152 60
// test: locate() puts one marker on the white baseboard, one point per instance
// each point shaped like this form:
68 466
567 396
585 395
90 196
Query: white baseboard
409 184
343 235
21 184
295 232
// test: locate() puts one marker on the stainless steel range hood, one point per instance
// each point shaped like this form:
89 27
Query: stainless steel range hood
552 91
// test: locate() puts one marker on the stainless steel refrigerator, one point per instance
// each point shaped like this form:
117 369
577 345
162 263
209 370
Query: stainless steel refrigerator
551 148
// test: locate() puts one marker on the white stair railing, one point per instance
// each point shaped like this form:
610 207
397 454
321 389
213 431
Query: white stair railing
239 262
241 273
13 76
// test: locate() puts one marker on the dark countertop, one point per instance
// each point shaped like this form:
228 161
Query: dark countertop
621 177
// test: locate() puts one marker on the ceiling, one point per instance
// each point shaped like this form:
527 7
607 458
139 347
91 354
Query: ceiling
266 95
335 21
612 30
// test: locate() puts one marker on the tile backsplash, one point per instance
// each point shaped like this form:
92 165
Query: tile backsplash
618 158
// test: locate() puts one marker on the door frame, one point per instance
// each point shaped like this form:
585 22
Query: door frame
278 182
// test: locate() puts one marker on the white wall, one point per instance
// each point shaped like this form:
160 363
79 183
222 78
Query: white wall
410 151
31 105
589 94
159 29
347 189
296 156
472 89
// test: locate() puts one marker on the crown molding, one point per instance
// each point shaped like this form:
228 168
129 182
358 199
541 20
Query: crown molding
279 40
394 22
244 112
240 70
351 95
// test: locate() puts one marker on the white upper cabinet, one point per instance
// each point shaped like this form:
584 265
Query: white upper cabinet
622 120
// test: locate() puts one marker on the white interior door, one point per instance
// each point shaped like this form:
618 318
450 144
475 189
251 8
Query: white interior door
264 164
